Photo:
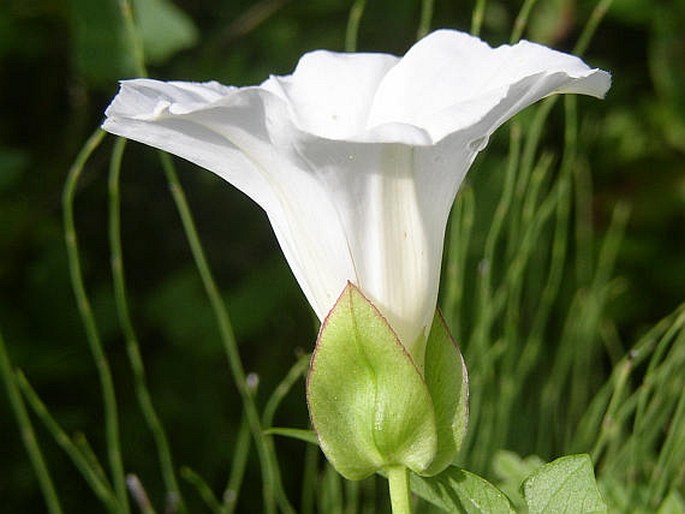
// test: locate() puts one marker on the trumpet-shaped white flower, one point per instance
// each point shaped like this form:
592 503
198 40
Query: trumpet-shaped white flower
356 158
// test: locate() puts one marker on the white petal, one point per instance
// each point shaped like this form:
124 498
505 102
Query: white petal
245 137
450 81
330 93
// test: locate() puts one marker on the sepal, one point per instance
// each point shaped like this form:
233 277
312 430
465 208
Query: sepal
368 403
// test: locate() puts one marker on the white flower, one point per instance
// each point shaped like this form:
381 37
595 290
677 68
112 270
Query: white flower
357 158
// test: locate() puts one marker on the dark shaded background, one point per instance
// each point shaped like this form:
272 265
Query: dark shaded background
59 63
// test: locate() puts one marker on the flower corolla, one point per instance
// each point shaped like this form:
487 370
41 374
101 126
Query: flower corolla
357 157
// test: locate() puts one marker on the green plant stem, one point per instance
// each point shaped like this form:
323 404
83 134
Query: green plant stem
92 474
400 498
132 347
227 336
134 40
88 320
477 17
296 371
426 18
590 27
28 435
271 479
202 489
309 476
241 452
522 20
352 31
459 236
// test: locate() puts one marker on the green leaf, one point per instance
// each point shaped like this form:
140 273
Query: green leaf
308 436
164 28
367 401
100 47
511 470
448 383
458 490
566 485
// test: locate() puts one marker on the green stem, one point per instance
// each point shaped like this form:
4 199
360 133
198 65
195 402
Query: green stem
27 434
593 22
426 18
88 320
352 31
400 498
477 17
227 336
522 20
299 369
202 489
142 393
91 473
241 452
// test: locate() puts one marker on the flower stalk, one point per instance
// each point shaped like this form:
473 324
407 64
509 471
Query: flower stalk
400 497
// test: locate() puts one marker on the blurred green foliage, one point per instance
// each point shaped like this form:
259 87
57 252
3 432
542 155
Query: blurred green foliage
60 61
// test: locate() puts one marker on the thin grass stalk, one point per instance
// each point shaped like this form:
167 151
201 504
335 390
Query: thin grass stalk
583 200
671 454
598 13
521 20
369 496
352 491
202 488
527 164
271 477
642 422
86 450
583 226
269 474
609 426
89 323
489 422
576 349
477 17
459 232
330 496
597 298
139 495
668 397
485 312
297 371
426 19
559 246
241 453
509 382
28 435
311 464
99 484
641 350
512 288
134 40
353 21
145 403
608 252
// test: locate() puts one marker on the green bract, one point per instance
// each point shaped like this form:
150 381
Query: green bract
447 380
370 405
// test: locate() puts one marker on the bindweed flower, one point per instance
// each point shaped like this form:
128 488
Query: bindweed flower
357 158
